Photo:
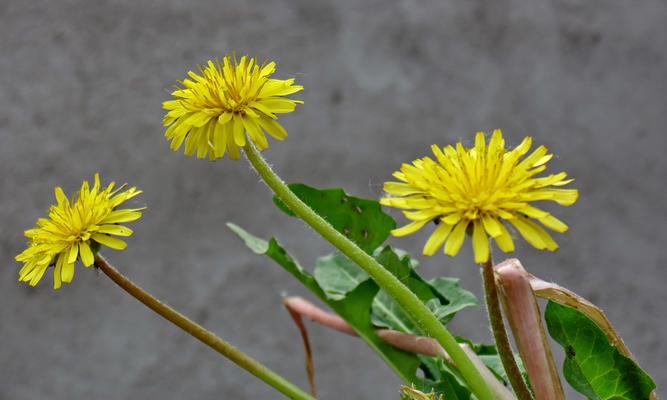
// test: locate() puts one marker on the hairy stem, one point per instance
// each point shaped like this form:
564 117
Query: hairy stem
207 337
417 310
500 334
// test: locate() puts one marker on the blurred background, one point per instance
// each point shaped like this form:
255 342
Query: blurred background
81 86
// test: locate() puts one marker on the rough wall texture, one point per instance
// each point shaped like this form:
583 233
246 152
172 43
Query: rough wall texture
81 85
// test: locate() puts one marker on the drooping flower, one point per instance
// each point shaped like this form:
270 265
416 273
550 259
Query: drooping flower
75 229
216 110
478 190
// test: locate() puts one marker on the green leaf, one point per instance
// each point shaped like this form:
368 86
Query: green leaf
355 308
346 289
443 379
495 364
361 220
443 296
386 311
457 298
273 250
337 275
488 354
592 366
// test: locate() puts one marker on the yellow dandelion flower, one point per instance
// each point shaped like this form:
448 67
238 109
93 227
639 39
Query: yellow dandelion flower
216 110
477 190
75 229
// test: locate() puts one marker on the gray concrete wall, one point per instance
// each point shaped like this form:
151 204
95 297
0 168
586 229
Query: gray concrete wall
81 86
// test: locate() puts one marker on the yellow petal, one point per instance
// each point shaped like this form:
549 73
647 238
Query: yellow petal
256 134
497 142
198 119
225 118
412 227
57 272
202 141
456 238
451 219
267 114
109 241
564 197
554 223
87 257
273 128
177 141
72 253
60 196
119 216
492 226
421 214
504 240
480 243
38 273
533 212
436 240
113 229
67 272
232 148
190 143
278 105
219 140
534 234
524 146
528 233
399 189
480 143
171 104
238 131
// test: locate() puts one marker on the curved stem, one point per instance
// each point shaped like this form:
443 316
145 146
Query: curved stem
417 310
204 335
500 334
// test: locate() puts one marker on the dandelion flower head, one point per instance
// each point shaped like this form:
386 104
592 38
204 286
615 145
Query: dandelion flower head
479 190
75 229
216 110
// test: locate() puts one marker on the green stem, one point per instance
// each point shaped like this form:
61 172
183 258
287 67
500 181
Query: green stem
500 333
204 335
421 315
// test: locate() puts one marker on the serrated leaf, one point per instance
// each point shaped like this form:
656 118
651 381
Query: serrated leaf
356 298
443 296
355 308
386 311
457 297
443 379
488 354
337 275
493 363
276 252
592 366
361 220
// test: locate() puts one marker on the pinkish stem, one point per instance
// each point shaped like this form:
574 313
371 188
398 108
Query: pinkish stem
525 319
404 341
314 313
